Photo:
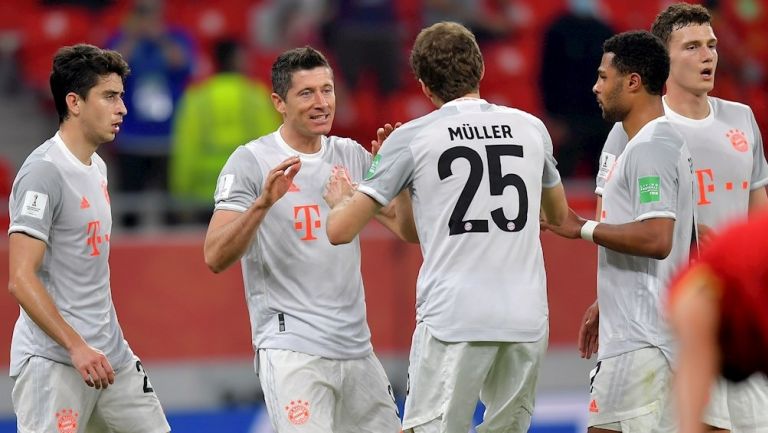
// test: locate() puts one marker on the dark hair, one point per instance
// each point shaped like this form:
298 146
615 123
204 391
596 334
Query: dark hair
225 54
78 68
642 53
297 59
446 58
677 16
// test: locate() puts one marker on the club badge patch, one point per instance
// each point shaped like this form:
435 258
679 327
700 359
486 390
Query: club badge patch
298 412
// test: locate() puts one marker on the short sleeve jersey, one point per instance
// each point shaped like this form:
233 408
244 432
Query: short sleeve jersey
303 293
728 158
475 172
65 203
652 179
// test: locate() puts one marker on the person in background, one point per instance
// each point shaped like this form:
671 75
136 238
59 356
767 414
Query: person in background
213 118
161 61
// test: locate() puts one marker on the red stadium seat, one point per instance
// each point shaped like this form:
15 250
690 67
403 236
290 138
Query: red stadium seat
45 30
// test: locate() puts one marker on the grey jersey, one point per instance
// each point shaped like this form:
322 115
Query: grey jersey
475 172
303 293
728 158
652 178
64 203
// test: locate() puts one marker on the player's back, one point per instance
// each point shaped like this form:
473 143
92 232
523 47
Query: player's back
476 191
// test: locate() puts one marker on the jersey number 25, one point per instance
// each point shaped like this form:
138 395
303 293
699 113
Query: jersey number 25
498 182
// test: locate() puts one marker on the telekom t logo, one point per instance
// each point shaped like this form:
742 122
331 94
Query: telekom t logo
306 218
94 238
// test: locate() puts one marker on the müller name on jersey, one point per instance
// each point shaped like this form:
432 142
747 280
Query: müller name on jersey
474 132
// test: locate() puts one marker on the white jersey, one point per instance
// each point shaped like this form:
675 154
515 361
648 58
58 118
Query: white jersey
728 158
475 172
303 293
64 203
652 178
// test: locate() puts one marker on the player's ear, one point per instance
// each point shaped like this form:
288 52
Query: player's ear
278 103
73 101
634 82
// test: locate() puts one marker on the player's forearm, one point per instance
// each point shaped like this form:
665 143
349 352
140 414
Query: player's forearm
397 216
640 238
554 205
226 244
758 200
31 295
347 219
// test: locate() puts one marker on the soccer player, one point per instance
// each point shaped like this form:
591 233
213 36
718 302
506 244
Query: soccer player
72 369
644 233
719 311
305 297
729 165
478 174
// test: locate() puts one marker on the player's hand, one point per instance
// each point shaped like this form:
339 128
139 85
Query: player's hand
570 228
93 366
338 187
381 135
588 331
279 180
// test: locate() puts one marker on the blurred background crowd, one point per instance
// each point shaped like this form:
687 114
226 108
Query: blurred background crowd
200 84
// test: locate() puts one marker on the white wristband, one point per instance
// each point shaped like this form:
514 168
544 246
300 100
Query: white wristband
588 229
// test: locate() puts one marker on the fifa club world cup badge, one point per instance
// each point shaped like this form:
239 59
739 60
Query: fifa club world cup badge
66 421
298 412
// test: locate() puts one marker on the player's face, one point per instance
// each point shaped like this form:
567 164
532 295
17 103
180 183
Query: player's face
310 103
101 113
608 90
693 59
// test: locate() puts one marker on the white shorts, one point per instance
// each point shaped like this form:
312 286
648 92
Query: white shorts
311 394
50 396
445 381
631 393
740 407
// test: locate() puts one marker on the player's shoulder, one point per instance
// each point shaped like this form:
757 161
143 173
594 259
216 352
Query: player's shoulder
342 143
660 133
522 114
43 158
720 105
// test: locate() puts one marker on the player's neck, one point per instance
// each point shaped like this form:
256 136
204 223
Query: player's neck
687 104
641 114
301 143
76 142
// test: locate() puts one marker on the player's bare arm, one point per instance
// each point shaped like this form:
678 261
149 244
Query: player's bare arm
758 199
648 238
25 257
397 216
230 233
348 217
554 205
590 323
694 319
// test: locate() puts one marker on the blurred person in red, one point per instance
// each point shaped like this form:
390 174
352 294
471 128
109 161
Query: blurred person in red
719 311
